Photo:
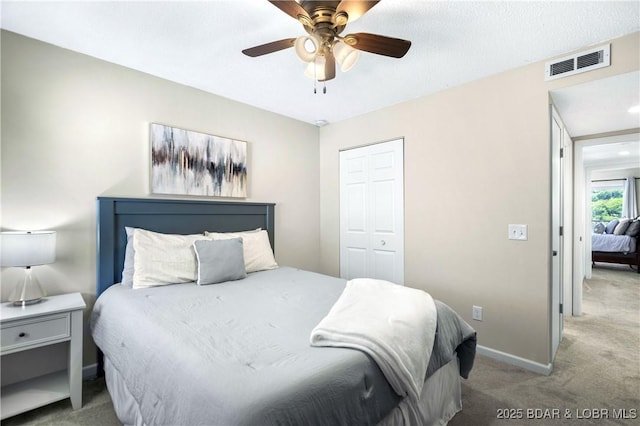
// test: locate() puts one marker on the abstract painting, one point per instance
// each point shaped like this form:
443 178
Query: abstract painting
184 162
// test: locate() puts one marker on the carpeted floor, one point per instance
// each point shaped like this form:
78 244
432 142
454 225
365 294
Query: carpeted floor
597 366
97 410
596 373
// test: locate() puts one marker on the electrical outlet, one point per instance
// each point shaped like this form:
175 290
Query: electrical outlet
518 232
476 313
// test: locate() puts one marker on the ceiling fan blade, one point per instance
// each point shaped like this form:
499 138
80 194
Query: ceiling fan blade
293 9
329 67
355 8
381 45
274 46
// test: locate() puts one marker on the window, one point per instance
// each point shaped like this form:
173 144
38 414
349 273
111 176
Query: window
606 200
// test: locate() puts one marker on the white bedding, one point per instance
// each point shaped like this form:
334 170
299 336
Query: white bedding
613 243
234 353
393 324
244 357
440 400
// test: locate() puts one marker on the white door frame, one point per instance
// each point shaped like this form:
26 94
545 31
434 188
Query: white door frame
568 246
557 234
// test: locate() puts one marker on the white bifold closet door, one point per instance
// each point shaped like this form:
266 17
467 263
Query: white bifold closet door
372 212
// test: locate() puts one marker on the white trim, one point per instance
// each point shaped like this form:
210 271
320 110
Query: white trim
90 372
515 360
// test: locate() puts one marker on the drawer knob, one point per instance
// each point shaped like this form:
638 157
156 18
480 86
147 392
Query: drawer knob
22 334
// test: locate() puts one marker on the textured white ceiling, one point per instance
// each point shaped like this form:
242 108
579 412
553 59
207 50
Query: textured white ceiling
612 156
199 44
601 106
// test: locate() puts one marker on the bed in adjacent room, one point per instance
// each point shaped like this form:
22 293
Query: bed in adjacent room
235 349
617 242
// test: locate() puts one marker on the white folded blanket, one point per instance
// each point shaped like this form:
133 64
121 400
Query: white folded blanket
395 325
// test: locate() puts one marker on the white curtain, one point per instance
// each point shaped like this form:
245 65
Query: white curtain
629 199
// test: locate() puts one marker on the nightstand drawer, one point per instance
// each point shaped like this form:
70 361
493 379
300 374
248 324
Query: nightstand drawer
35 331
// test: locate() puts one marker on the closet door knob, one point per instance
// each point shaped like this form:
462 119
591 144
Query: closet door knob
383 242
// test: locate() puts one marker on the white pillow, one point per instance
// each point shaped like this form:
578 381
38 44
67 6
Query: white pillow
161 259
221 235
127 270
258 254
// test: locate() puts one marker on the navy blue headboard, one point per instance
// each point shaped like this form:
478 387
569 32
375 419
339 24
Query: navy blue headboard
172 217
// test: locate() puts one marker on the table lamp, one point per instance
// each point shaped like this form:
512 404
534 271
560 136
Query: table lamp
26 249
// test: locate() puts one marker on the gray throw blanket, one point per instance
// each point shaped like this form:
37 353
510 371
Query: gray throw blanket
453 337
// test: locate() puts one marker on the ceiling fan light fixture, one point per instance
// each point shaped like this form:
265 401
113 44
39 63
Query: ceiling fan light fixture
322 47
315 69
345 55
306 47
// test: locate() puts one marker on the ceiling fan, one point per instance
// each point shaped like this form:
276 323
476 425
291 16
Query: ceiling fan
323 46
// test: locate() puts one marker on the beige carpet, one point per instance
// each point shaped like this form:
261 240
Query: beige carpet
97 410
597 368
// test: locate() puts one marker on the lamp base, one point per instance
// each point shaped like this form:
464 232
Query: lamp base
28 291
27 302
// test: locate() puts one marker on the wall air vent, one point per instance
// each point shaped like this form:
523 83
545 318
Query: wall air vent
581 62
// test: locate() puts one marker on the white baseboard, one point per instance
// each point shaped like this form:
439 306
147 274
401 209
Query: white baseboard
89 372
527 364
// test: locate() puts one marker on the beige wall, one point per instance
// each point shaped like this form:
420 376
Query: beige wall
477 157
74 128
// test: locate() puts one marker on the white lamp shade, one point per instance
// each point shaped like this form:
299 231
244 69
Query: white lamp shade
315 69
345 55
307 47
27 248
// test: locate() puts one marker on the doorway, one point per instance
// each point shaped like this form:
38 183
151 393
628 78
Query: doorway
594 113
605 163
589 111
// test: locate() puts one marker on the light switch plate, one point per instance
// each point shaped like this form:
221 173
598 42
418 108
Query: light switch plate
518 232
476 313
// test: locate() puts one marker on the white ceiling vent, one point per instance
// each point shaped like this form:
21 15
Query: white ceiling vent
581 62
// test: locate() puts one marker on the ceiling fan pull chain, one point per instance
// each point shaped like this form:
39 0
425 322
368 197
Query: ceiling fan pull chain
315 77
324 88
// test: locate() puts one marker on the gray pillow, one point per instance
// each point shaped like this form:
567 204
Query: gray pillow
611 226
633 230
219 260
599 228
621 227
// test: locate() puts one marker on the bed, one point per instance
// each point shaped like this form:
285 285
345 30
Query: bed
617 242
238 352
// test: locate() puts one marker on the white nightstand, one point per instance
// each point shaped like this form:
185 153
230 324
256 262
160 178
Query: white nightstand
56 319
